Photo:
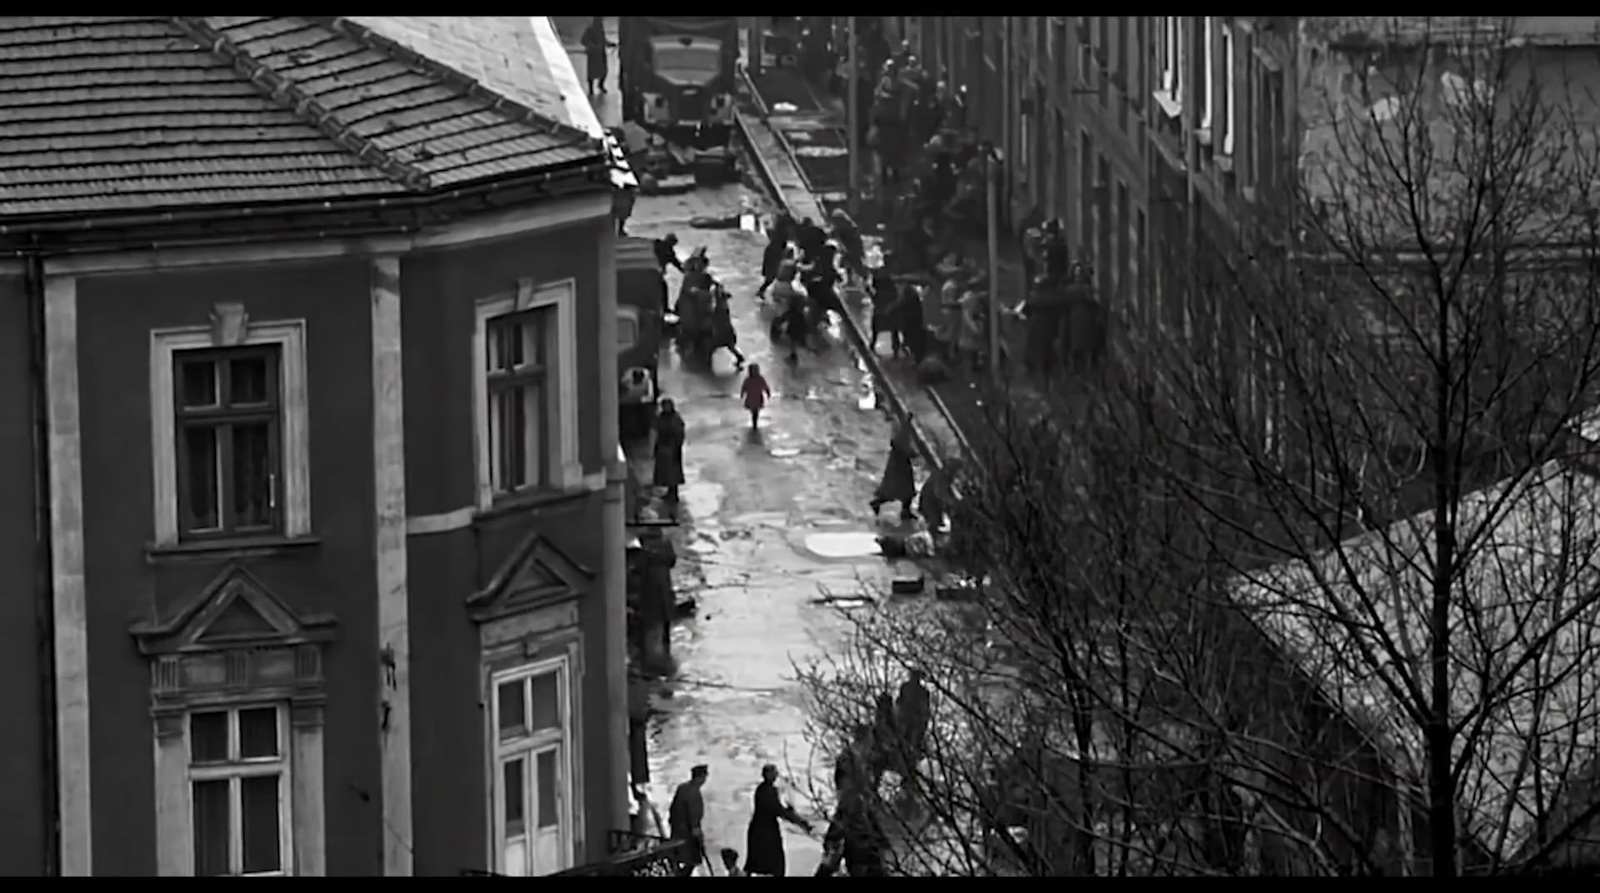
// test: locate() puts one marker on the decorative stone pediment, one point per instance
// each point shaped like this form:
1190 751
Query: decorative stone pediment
535 574
233 611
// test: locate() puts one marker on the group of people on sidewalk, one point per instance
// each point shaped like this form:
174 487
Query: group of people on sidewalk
934 173
855 838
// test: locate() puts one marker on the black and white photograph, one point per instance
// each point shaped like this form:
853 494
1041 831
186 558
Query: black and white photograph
816 446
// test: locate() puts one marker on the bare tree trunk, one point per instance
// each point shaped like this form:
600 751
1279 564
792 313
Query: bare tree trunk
1437 733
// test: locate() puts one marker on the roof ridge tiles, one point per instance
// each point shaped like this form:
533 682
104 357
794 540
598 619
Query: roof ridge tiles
290 96
402 53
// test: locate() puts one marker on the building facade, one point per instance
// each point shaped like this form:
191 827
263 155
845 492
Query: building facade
1155 139
317 533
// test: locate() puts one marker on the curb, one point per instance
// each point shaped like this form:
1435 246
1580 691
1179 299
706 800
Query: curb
755 95
858 340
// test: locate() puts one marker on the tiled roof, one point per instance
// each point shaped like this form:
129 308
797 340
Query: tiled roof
103 113
1523 617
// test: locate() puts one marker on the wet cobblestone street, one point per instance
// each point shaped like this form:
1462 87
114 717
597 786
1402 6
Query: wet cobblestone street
771 521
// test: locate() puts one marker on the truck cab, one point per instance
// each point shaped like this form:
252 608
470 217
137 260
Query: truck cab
677 73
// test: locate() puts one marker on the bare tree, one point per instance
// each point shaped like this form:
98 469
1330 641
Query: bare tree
1310 587
1091 715
1384 435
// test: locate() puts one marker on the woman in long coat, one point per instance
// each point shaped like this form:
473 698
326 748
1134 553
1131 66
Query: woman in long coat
670 434
594 50
899 483
764 839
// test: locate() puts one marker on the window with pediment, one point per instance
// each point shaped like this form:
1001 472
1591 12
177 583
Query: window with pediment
236 702
531 646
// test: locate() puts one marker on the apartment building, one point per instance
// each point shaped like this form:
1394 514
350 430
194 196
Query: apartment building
1101 119
314 547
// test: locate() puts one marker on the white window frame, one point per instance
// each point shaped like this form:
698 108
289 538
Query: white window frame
1172 57
526 747
238 768
1206 96
1230 98
290 338
567 465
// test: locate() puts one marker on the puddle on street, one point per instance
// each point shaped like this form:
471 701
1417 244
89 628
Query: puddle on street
700 499
854 544
783 452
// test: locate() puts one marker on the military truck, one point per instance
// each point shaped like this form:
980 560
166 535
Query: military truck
677 76
641 303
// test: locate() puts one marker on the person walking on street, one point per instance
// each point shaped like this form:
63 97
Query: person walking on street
854 838
670 435
666 251
764 839
594 50
899 483
773 256
756 392
914 709
685 815
722 332
622 200
809 238
937 495
972 332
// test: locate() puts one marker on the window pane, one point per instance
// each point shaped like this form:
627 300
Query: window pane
247 380
252 474
258 813
506 420
516 788
535 431
198 383
516 858
546 702
200 464
208 737
505 344
535 343
549 777
258 733
211 828
513 711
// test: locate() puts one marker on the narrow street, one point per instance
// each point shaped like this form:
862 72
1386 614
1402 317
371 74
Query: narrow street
771 523
771 520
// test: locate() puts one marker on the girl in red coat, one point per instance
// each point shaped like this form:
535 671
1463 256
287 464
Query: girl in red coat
755 392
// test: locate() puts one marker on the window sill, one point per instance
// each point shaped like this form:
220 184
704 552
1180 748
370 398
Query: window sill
1168 104
1249 193
230 547
1203 136
507 504
1223 162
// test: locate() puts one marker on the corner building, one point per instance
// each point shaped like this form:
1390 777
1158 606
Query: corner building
312 494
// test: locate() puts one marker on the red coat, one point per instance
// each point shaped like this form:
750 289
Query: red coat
755 392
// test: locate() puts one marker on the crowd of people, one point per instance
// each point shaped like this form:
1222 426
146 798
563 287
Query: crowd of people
933 174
